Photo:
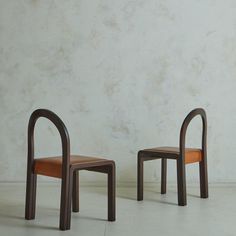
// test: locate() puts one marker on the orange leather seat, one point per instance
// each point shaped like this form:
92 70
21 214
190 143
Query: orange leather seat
191 154
52 166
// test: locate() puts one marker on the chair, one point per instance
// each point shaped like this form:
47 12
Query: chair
182 156
66 168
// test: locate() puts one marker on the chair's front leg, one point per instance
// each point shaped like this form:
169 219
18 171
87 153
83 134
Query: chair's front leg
140 177
30 196
163 175
75 193
112 192
181 181
66 196
203 179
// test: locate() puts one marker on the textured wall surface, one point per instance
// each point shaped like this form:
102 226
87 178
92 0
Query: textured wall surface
122 75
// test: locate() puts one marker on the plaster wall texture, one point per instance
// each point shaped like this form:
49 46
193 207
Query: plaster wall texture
122 75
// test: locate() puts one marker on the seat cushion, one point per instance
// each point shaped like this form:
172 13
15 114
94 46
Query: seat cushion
191 154
52 166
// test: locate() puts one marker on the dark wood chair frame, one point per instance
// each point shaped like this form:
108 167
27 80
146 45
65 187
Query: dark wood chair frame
70 176
181 175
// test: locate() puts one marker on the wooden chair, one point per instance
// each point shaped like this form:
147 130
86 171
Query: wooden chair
183 156
66 168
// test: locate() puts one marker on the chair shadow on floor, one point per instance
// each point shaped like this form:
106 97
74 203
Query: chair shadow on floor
13 216
86 217
130 194
156 196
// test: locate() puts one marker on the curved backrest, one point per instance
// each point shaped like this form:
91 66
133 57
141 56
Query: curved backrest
62 130
201 112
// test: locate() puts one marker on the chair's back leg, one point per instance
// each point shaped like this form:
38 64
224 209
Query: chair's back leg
140 177
163 175
112 192
30 201
203 179
75 193
181 182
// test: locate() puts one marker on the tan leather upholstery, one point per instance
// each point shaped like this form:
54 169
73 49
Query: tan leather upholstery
191 154
52 166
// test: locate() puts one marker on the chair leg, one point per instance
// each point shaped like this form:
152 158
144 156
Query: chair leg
181 181
70 201
112 192
30 196
163 175
140 178
75 193
66 196
203 179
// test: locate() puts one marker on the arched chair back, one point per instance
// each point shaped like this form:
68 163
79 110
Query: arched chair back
65 140
196 112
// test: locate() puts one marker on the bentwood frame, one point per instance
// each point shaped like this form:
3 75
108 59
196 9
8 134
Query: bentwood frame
179 156
69 175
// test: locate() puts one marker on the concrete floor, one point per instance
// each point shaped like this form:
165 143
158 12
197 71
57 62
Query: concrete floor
156 215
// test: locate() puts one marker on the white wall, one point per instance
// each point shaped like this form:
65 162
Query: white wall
122 75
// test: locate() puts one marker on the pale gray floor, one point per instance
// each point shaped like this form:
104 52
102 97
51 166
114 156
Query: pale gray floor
156 215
